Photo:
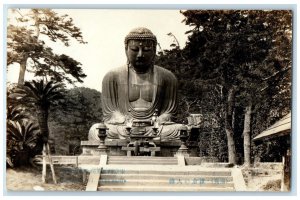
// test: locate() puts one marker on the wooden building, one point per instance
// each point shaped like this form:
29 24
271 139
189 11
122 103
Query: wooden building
281 130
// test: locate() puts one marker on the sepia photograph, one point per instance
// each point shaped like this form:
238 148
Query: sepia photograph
148 100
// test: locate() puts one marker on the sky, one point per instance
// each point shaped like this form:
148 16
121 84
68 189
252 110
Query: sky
105 30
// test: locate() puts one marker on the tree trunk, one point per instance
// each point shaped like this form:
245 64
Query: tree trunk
24 61
246 134
22 71
44 164
228 127
42 117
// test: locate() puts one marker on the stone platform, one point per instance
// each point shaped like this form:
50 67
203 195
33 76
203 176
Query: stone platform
114 147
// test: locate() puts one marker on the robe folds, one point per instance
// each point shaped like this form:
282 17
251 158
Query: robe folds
115 100
116 105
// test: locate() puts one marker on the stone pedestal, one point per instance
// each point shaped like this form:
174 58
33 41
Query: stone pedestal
114 147
102 148
184 135
182 152
101 151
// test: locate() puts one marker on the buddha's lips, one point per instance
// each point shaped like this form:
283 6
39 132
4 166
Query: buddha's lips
140 63
140 60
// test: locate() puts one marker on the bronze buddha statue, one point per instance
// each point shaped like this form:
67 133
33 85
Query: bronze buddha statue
139 90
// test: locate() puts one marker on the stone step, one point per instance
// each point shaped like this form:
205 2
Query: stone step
115 171
140 158
138 162
143 158
165 177
185 182
165 189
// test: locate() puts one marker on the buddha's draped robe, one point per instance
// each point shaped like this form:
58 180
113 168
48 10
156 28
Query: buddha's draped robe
115 103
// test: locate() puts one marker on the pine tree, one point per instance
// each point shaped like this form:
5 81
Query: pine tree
25 44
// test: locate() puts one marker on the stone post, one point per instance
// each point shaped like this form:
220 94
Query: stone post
102 148
183 149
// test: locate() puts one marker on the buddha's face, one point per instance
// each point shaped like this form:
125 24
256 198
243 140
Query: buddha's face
140 54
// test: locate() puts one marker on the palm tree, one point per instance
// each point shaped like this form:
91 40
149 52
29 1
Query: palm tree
41 95
21 140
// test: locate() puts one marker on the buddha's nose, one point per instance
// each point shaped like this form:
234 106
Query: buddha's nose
140 54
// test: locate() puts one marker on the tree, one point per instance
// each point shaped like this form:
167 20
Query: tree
24 45
233 62
41 95
69 122
20 135
21 143
239 50
195 97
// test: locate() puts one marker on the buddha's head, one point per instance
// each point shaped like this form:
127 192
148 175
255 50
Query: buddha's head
140 48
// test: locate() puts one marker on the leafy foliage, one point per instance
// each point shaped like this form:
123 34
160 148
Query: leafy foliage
41 96
15 113
39 93
69 123
239 48
22 142
25 46
237 52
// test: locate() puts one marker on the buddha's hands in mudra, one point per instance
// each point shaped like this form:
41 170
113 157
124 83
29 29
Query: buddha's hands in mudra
164 119
116 118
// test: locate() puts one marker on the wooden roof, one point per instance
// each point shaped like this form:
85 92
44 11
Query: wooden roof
280 128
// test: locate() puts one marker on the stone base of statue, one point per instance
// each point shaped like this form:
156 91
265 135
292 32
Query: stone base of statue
139 143
114 147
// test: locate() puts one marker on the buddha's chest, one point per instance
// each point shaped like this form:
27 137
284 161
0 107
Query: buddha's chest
140 89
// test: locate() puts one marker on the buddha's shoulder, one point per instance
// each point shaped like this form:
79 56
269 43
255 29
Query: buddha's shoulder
165 72
116 71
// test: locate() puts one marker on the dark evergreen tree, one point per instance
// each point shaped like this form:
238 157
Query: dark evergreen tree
233 60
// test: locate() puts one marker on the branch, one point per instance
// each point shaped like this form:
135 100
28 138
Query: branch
212 81
19 12
276 73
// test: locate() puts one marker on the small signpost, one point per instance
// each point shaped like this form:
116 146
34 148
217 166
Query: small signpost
46 153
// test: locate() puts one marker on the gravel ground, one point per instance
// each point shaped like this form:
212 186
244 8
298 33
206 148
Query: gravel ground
30 179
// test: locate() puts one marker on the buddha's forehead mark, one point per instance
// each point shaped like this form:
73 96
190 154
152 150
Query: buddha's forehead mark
140 42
